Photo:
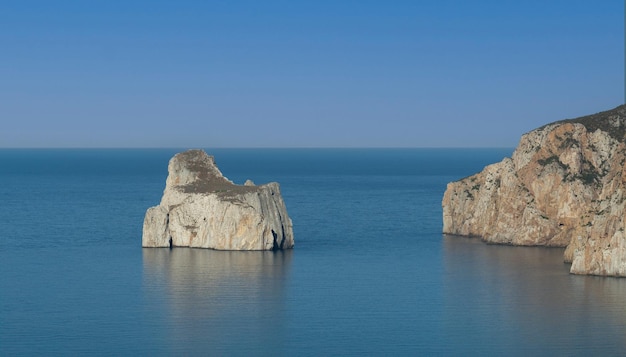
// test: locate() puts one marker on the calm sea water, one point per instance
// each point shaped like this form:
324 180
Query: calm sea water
371 273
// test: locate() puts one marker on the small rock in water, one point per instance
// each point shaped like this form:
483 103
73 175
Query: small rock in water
203 209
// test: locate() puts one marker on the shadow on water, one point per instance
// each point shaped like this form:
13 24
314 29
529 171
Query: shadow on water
521 300
212 298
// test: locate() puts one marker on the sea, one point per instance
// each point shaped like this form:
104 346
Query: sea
371 273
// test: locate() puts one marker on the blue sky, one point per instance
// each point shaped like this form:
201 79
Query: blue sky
437 73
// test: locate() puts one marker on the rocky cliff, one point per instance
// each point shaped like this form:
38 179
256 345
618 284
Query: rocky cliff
564 186
202 208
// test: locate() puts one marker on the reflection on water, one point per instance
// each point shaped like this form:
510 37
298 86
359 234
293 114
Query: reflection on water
502 299
213 298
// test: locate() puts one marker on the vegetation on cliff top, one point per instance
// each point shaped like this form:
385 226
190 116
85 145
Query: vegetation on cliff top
611 121
209 179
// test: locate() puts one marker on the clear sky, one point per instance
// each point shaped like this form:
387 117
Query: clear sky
318 73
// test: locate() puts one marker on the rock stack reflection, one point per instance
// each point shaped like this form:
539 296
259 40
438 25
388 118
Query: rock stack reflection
213 295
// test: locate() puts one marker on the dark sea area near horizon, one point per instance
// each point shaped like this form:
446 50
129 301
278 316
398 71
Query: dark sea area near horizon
371 273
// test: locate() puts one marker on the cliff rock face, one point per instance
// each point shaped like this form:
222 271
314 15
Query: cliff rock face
564 186
201 208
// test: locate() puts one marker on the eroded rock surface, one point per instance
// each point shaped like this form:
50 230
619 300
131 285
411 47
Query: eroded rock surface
201 208
564 186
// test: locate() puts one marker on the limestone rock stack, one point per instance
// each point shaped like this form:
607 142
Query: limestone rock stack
564 186
202 208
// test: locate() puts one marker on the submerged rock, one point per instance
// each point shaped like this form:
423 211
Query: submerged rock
202 208
564 186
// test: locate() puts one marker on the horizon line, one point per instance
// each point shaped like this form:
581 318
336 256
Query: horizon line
244 147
